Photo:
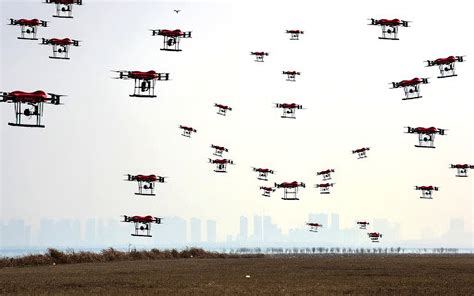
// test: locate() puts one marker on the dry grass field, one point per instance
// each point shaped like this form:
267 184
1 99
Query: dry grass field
300 275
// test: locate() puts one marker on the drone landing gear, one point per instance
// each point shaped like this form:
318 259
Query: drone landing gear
412 98
146 194
25 125
421 146
143 235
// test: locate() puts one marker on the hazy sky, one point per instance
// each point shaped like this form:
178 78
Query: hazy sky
74 167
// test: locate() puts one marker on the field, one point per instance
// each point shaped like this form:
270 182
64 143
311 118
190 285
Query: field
298 275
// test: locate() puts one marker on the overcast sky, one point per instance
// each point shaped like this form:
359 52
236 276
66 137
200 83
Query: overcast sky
74 167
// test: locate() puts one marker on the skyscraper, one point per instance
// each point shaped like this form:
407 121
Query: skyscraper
334 222
244 229
195 230
211 231
257 228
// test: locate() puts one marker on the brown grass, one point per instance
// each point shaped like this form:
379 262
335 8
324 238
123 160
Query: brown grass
302 275
54 256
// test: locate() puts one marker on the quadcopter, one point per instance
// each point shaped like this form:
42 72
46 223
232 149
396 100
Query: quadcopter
462 169
144 82
324 188
64 7
259 55
61 47
142 224
171 38
374 236
222 109
28 28
262 173
361 153
426 136
389 27
290 189
294 34
326 174
314 226
34 102
362 224
426 191
291 75
187 131
289 110
267 190
221 164
447 66
411 87
146 183
218 150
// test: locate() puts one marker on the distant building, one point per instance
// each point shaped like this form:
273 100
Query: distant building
195 230
257 228
244 229
334 222
211 231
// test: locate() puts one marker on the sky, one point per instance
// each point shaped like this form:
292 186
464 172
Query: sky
74 168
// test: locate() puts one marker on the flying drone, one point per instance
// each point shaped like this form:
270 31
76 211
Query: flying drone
28 28
144 82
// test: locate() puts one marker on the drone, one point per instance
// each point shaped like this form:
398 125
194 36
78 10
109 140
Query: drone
447 66
361 153
177 10
60 47
291 75
389 27
222 109
187 131
64 7
290 189
294 34
462 169
362 224
324 188
374 236
426 136
427 191
146 183
289 109
259 55
221 164
28 27
326 174
144 85
313 226
171 38
34 101
267 190
219 150
411 87
262 173
142 224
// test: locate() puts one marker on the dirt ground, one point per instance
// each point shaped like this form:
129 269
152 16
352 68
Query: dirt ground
308 275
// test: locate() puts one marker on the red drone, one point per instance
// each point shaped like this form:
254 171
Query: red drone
144 85
447 66
374 236
361 153
314 226
64 7
294 34
219 150
289 110
187 131
324 188
326 174
290 189
171 38
222 109
462 169
60 47
146 183
426 136
262 173
259 55
35 99
267 190
142 224
362 224
221 164
411 87
427 191
291 75
389 27
28 27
